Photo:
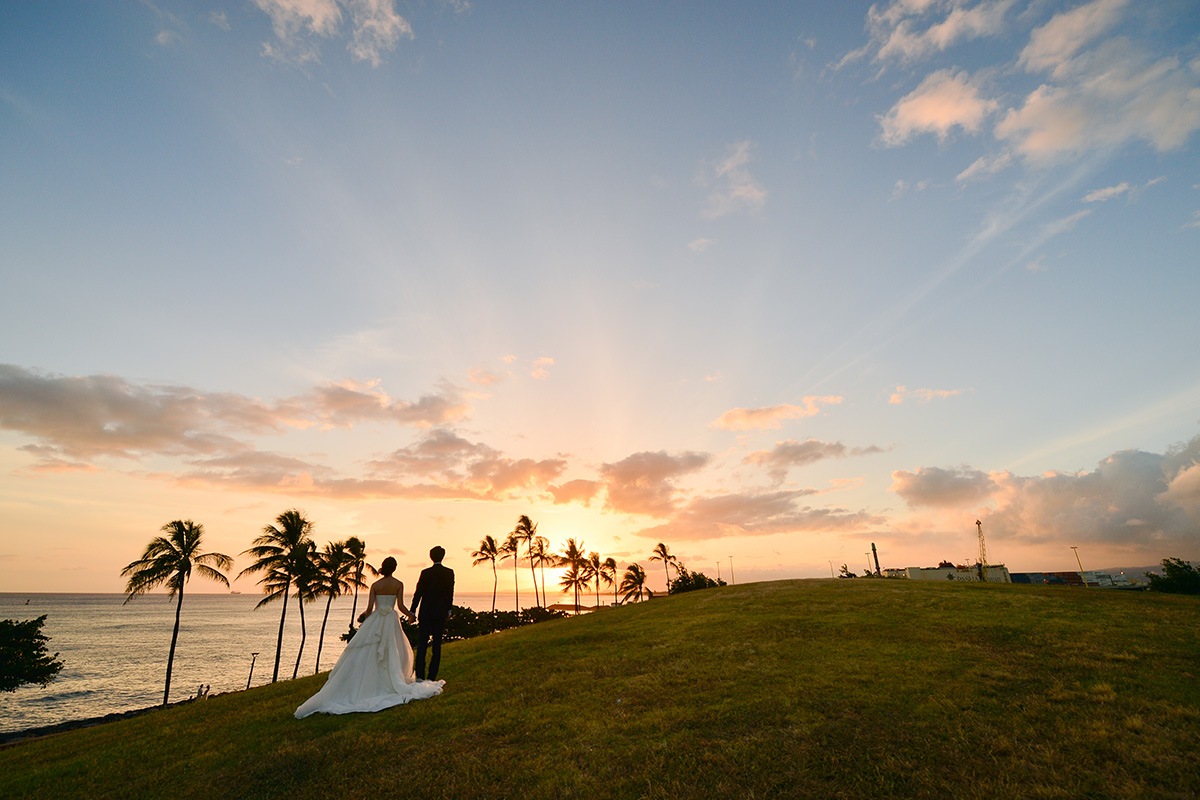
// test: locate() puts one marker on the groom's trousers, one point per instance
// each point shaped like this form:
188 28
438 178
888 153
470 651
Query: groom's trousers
429 635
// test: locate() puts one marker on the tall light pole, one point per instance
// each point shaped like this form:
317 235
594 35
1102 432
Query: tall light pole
731 580
1080 563
718 571
253 656
831 569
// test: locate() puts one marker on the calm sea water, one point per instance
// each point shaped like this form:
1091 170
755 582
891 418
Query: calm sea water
115 656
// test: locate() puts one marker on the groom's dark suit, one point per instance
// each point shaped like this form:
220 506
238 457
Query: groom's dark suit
431 603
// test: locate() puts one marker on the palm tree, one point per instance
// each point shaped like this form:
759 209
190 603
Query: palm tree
509 550
592 569
661 553
170 559
357 548
488 551
279 551
575 561
306 579
541 556
335 576
633 583
526 531
608 574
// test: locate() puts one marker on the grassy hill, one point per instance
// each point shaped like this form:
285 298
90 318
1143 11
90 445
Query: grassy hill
850 688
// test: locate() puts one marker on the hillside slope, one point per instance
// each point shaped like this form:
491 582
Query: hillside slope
851 688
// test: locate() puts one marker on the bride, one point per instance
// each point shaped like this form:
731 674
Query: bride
375 671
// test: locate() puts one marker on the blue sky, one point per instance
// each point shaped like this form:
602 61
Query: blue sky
762 281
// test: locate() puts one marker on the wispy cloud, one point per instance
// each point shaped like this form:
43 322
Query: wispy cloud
298 25
791 453
87 417
903 394
771 417
909 30
757 514
732 188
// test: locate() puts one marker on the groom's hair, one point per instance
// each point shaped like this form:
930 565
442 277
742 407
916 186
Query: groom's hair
437 554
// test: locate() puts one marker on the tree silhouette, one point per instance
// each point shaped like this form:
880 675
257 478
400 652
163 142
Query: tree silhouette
526 531
575 561
661 553
23 655
488 551
335 573
170 560
510 549
633 583
608 574
305 580
541 556
357 548
281 551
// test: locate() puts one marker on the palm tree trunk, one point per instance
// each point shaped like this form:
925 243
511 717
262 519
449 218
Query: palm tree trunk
516 588
533 572
279 641
354 610
544 601
171 654
667 572
321 639
495 584
303 635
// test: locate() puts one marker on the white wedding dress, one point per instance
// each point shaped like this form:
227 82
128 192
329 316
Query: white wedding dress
375 670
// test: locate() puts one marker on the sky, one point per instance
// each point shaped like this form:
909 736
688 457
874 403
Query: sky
766 282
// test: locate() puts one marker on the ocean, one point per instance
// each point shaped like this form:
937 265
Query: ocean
114 654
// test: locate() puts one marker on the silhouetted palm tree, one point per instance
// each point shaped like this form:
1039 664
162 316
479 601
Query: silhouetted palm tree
306 581
335 573
280 552
575 561
661 553
170 559
510 549
357 548
608 574
488 551
633 583
592 570
526 531
541 556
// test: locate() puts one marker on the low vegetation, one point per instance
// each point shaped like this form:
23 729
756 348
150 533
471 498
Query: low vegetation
820 689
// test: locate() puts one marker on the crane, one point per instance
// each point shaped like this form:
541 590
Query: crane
982 553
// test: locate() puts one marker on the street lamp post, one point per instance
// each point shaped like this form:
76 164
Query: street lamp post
731 580
253 656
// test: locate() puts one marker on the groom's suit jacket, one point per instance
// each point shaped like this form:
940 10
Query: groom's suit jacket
434 594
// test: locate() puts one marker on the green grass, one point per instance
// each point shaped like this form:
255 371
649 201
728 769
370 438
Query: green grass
789 689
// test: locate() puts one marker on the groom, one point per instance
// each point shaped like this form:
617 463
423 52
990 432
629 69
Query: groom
431 603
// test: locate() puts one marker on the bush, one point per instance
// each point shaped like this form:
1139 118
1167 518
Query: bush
23 656
466 623
1180 578
688 581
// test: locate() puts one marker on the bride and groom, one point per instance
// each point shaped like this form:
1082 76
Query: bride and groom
376 670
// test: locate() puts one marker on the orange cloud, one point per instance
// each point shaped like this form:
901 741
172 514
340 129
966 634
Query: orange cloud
743 419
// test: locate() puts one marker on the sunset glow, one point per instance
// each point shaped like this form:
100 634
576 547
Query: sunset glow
760 282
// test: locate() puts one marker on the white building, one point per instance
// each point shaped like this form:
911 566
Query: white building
996 573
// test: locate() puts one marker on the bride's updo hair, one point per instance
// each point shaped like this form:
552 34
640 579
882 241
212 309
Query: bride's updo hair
388 566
